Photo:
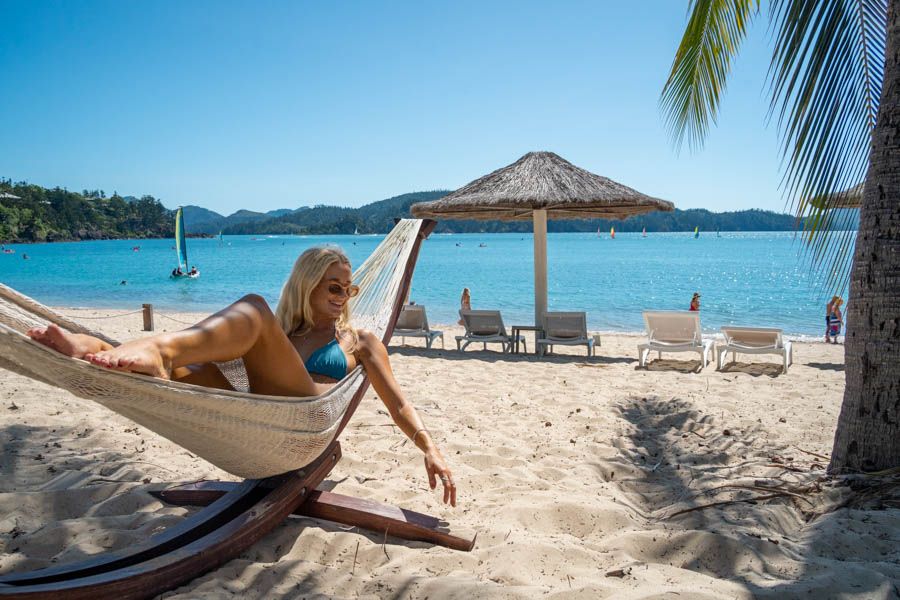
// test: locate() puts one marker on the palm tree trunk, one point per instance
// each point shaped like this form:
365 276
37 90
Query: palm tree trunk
868 430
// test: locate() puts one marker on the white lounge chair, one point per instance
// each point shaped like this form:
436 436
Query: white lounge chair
413 322
754 340
565 329
485 326
674 331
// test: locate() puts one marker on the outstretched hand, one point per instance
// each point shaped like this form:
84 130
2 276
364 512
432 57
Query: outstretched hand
437 469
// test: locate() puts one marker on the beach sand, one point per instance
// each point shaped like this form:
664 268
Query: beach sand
570 470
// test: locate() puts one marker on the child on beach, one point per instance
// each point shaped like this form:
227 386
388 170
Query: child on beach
833 319
465 303
301 349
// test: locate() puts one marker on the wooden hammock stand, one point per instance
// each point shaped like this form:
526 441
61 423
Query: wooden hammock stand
236 515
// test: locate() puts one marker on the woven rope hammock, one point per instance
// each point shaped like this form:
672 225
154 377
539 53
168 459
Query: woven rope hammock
248 435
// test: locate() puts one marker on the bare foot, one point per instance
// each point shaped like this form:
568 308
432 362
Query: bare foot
136 356
76 345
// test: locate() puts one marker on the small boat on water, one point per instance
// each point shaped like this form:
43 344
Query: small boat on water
696 232
181 250
644 232
612 233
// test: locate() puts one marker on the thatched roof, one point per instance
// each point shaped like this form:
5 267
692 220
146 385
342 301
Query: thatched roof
851 198
540 180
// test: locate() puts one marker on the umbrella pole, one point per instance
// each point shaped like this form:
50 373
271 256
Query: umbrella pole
540 265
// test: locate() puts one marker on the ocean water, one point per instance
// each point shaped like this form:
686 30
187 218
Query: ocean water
745 278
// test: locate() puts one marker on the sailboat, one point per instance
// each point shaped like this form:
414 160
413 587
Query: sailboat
696 232
612 233
181 249
644 232
356 231
598 233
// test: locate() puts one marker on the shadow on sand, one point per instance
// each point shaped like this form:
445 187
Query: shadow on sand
681 460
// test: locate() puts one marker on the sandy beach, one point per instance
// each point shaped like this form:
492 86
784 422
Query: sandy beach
583 478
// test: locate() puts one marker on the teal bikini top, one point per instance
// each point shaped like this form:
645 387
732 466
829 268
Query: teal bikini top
329 360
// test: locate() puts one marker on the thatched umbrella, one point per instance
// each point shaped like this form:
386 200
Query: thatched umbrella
538 186
849 198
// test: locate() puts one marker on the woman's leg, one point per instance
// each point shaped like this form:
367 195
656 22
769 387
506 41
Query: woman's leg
70 344
78 345
246 329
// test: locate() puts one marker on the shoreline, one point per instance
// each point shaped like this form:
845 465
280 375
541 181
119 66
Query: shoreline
103 313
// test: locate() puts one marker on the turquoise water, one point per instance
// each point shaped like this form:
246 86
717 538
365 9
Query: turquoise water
744 278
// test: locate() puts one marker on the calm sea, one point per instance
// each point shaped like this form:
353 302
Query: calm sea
744 278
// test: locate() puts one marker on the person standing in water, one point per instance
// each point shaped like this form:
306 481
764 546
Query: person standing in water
695 302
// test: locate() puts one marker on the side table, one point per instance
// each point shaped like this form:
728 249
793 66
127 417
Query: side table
518 329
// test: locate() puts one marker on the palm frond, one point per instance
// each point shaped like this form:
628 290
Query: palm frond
691 95
826 74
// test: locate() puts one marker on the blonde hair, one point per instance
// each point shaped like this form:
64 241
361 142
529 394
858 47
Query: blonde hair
294 311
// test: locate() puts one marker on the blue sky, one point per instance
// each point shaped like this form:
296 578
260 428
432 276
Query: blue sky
265 105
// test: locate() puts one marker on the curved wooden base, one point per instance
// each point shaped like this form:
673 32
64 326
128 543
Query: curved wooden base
366 514
201 543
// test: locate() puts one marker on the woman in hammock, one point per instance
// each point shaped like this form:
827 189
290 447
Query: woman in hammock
302 349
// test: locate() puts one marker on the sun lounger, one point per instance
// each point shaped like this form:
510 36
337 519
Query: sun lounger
485 326
413 322
754 340
673 331
565 329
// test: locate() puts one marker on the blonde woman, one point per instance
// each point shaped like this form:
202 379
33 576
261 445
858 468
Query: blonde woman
465 303
301 349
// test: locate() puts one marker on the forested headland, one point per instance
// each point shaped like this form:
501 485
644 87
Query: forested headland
31 213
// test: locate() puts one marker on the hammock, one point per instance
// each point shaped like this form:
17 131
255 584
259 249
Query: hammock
249 435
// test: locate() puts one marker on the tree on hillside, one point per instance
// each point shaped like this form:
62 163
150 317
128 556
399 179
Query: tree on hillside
835 83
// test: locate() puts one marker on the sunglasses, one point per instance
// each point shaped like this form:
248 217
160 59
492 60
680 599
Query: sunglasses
336 289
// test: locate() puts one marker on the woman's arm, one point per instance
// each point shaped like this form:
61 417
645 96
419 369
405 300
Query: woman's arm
374 357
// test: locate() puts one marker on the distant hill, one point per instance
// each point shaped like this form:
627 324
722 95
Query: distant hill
378 217
31 213
199 220
41 214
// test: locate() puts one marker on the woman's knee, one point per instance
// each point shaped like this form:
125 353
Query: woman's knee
258 303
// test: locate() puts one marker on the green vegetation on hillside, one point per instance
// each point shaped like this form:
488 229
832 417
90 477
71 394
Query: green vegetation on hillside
40 214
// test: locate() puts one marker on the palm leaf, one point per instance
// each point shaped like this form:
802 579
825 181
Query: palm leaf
691 95
826 74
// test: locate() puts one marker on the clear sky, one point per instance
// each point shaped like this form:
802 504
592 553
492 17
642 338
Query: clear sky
265 105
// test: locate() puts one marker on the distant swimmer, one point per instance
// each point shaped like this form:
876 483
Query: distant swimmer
24 256
135 248
458 244
123 282
482 245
